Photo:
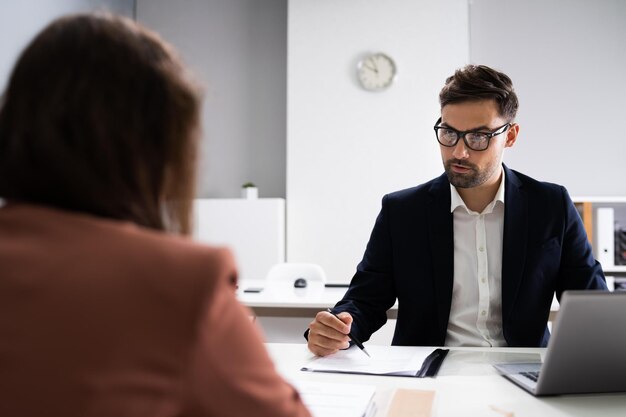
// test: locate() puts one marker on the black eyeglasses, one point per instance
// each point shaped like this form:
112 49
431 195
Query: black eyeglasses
475 140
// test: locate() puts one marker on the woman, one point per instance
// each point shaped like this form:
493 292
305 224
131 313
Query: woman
105 310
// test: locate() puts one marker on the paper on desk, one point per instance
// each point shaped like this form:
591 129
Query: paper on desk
384 360
324 399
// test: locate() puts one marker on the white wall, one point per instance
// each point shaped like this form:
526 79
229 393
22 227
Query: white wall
567 59
21 20
237 49
347 147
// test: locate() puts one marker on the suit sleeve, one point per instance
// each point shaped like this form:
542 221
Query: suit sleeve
230 372
578 270
372 290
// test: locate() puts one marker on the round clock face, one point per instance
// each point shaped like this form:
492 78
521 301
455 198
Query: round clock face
376 72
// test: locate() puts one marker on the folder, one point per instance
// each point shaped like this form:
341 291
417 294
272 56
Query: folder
620 246
606 236
408 361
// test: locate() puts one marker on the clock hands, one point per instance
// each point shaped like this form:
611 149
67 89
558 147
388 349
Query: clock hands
374 68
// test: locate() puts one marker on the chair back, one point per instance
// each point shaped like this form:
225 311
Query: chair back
289 272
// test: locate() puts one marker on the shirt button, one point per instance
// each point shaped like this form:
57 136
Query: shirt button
483 280
483 313
481 249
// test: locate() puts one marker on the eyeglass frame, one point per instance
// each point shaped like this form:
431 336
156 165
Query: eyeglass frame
461 134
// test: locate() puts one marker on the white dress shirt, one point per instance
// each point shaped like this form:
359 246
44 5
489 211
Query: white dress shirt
476 310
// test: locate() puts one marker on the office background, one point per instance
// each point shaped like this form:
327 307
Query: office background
283 108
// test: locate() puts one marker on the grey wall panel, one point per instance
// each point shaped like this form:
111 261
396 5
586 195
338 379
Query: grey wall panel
21 20
237 49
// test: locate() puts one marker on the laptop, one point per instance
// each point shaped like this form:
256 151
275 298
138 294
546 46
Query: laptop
587 349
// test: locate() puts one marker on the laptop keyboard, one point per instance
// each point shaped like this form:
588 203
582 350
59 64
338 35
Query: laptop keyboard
534 376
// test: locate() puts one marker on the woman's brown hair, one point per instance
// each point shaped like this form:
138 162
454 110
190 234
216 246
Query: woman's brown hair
100 117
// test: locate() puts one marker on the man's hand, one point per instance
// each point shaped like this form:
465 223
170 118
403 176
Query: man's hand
328 334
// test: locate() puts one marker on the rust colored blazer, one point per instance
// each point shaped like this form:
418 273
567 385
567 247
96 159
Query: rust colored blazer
105 318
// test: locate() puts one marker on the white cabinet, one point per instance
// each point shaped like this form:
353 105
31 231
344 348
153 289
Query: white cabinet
254 229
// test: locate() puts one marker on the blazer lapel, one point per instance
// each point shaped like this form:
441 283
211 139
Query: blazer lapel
442 245
514 240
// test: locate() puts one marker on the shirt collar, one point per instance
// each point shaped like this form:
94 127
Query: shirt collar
456 201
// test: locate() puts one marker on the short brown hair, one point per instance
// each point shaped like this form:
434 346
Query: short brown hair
100 117
479 82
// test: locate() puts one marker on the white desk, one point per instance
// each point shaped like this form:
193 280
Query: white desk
467 385
287 301
284 312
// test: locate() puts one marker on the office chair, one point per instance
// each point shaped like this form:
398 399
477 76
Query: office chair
293 274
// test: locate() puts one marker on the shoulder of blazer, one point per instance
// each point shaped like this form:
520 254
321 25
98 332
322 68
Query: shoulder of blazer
419 199
434 188
533 187
122 243
187 256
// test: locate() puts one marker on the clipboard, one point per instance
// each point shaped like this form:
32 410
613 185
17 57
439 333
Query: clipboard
406 361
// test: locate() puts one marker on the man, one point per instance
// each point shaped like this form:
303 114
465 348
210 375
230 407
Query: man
474 256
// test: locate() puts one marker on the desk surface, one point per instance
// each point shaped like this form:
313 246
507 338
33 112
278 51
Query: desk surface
283 300
467 385
283 295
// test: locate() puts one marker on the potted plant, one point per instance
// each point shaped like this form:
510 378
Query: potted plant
249 191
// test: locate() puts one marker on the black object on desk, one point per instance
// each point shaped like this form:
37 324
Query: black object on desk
300 283
432 363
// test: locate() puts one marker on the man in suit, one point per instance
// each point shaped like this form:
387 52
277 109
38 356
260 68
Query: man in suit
474 256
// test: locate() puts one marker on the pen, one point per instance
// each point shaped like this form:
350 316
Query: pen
356 341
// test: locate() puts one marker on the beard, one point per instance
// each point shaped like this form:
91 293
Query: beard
473 178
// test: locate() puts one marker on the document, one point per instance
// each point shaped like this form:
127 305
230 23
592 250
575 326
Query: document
385 360
327 399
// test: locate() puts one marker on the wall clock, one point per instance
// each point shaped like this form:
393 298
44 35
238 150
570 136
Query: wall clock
376 72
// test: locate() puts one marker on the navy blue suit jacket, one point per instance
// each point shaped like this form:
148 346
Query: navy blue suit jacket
410 257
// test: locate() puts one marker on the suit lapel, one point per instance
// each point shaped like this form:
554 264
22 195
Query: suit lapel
442 245
514 240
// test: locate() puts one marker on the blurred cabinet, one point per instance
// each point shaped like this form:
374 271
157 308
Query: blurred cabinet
254 229
604 219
